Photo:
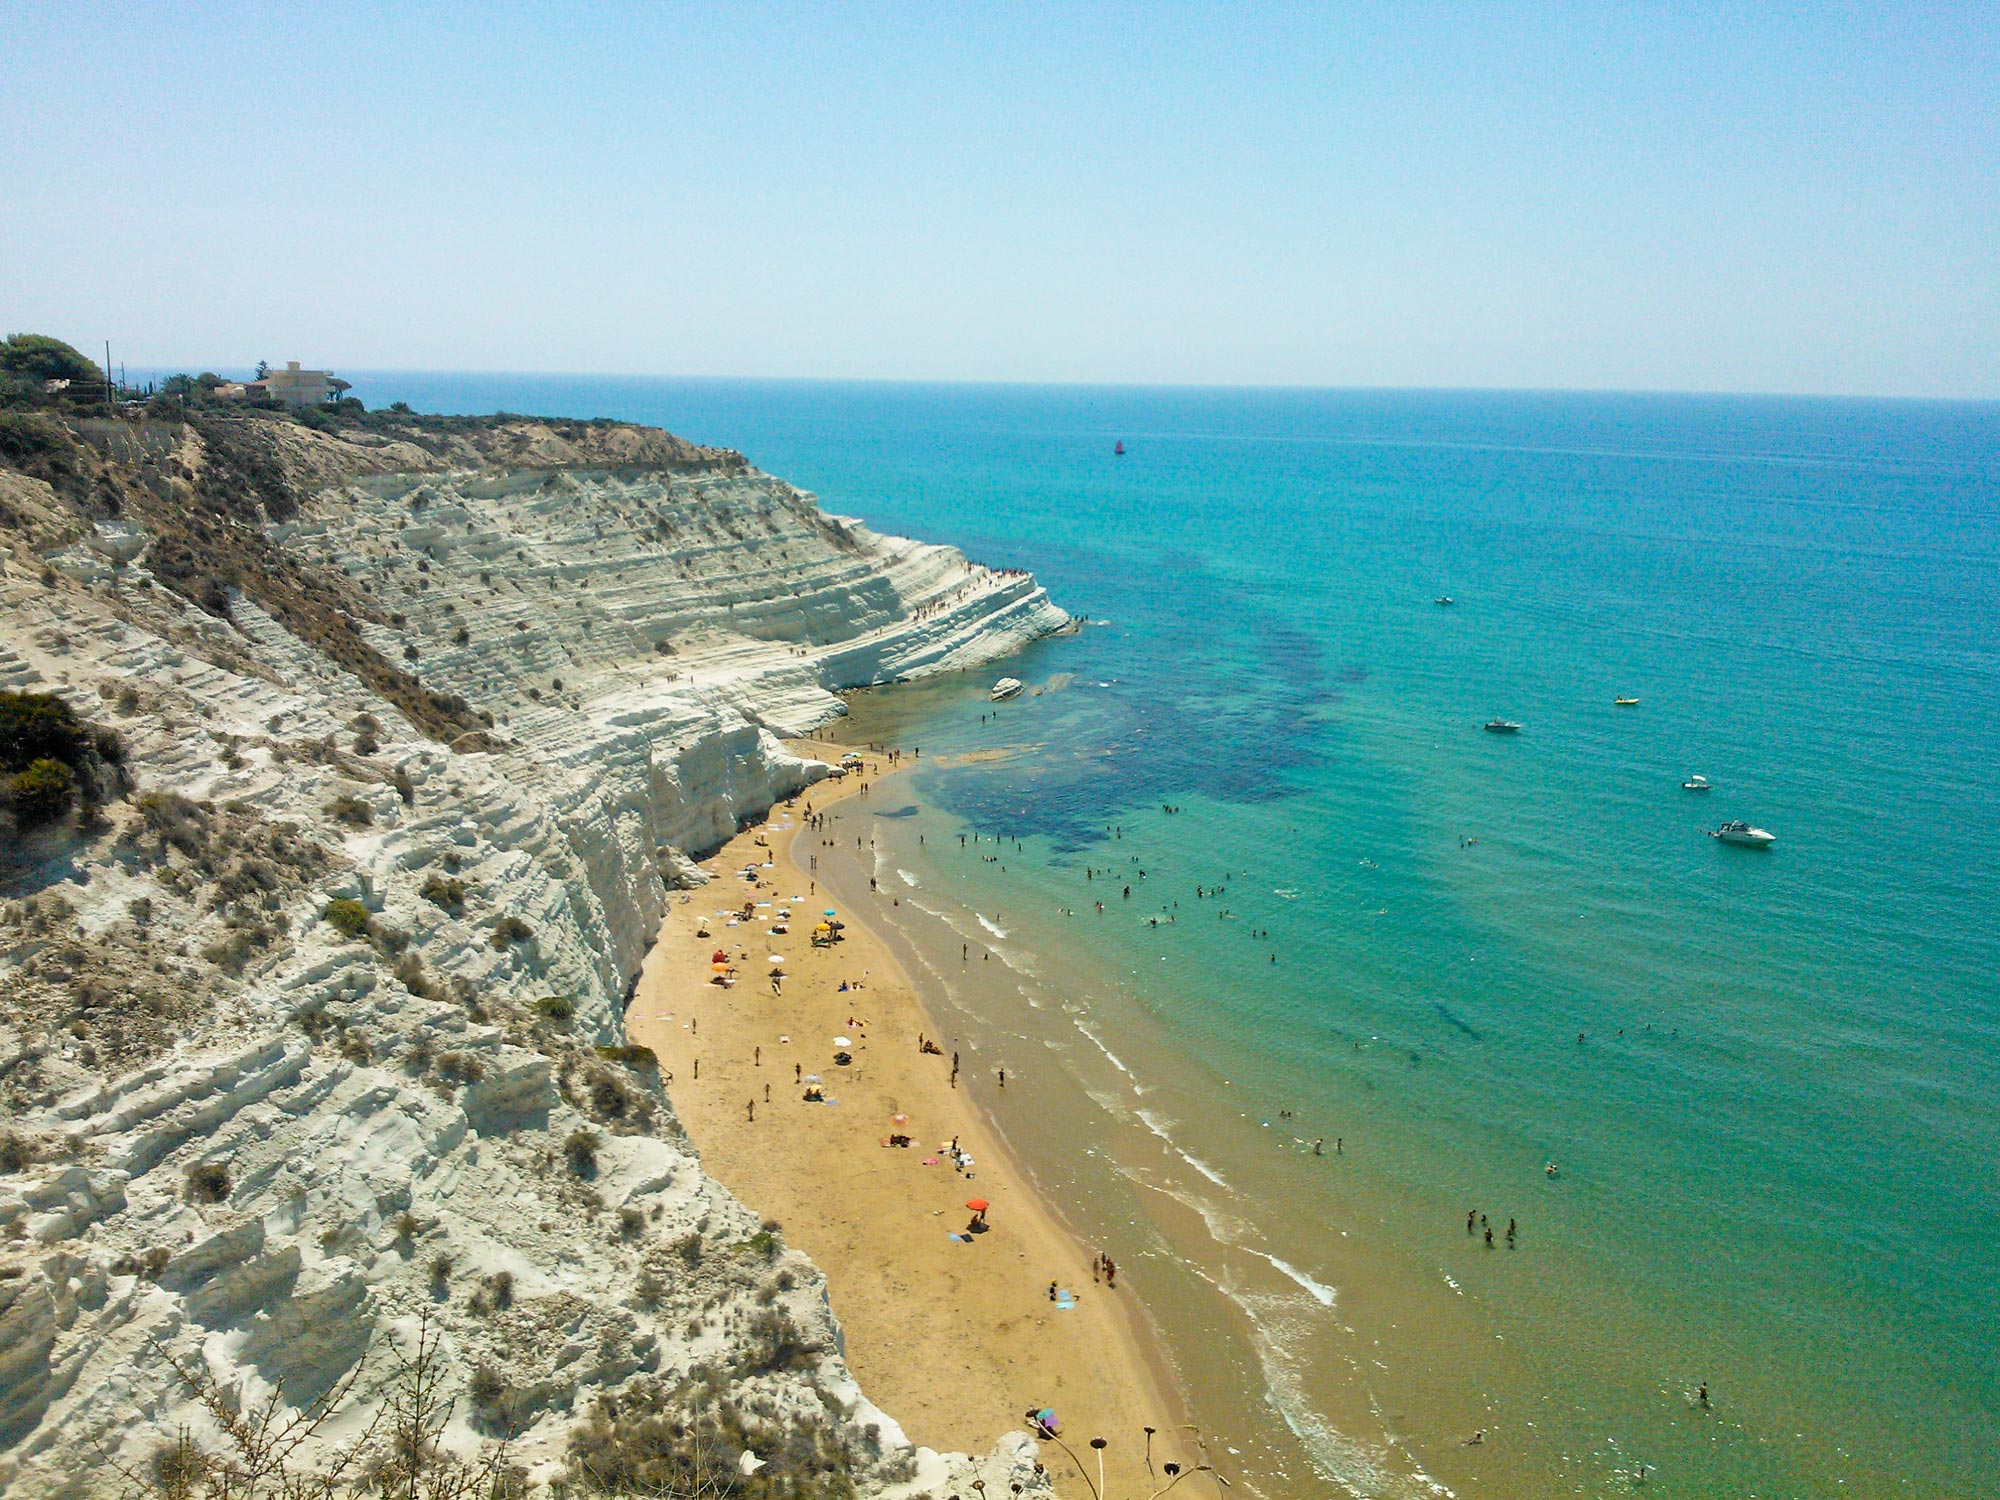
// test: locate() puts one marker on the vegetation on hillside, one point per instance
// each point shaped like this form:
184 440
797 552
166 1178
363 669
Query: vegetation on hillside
52 760
36 356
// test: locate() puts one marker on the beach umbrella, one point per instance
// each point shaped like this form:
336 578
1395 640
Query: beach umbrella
777 958
831 912
977 1205
721 966
899 1119
718 957
841 1041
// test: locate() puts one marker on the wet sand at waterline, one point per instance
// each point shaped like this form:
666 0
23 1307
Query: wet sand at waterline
954 1339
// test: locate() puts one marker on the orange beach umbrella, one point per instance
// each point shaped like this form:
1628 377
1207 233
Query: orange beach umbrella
977 1205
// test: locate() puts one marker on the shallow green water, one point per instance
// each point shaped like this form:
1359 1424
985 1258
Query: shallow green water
1768 1079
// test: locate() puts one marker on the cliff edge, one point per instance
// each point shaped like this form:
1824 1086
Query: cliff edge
386 744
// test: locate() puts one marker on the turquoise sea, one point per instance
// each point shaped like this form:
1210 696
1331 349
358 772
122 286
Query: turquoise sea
1769 1081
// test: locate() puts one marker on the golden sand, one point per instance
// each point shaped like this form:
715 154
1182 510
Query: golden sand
955 1340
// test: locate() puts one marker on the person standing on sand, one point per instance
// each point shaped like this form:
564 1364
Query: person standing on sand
1317 1144
750 1112
1003 1078
1110 1272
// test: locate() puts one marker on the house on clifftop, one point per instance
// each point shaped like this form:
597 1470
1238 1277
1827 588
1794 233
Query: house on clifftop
292 386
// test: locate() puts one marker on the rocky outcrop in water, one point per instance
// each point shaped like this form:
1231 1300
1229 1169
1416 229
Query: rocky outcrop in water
310 1019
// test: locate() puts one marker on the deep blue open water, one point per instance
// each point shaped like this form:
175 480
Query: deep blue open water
1770 1080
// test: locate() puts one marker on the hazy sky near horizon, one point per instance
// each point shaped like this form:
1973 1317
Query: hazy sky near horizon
1766 197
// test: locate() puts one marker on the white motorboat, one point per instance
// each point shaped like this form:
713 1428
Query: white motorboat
1502 726
1695 784
1006 687
1739 832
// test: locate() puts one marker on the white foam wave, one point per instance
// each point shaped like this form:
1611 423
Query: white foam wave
1319 1290
993 927
1109 1056
1152 1122
906 877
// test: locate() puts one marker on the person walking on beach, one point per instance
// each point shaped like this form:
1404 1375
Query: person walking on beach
1003 1078
1110 1272
1317 1144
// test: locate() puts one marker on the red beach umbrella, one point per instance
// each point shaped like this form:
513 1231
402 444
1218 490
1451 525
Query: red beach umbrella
977 1205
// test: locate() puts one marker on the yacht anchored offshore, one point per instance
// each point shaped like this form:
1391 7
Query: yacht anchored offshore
1739 832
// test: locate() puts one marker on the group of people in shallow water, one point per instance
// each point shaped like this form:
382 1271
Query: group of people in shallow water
1473 1217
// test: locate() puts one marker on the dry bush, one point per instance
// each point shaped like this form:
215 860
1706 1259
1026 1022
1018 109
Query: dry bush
556 1008
580 1149
460 1067
352 811
510 930
208 1182
267 1448
443 892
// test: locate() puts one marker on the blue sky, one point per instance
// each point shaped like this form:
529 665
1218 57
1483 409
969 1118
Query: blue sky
1646 196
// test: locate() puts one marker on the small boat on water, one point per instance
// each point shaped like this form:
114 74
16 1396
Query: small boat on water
1739 832
1006 687
1626 702
1695 784
1444 599
1118 451
1502 726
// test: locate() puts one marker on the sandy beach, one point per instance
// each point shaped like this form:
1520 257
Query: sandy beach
954 1334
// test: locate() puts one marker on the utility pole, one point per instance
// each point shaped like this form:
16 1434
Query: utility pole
107 372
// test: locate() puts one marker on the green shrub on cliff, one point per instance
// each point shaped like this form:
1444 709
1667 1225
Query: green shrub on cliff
43 793
39 726
348 917
40 357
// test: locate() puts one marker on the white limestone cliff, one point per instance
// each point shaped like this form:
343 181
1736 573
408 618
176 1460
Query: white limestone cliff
243 1137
